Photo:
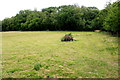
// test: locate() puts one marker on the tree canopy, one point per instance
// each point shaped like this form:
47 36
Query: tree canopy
65 17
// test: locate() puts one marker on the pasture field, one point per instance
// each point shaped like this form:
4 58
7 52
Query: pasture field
93 55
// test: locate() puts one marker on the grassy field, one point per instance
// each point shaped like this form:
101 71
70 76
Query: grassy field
93 55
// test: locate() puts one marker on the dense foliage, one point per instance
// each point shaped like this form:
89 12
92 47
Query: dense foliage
66 17
113 18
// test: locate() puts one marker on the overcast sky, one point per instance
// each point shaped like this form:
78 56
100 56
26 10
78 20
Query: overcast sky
9 8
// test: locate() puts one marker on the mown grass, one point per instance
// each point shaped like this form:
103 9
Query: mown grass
93 55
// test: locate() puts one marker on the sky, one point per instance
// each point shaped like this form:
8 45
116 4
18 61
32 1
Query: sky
9 8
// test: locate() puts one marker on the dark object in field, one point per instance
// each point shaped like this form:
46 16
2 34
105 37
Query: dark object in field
68 37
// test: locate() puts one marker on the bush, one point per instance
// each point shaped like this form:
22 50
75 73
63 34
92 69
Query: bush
37 67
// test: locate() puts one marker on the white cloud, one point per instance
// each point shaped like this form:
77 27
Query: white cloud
10 8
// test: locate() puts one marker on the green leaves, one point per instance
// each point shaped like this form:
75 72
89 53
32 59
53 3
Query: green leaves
37 67
112 19
66 17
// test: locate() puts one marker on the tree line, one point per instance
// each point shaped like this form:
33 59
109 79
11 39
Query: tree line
65 17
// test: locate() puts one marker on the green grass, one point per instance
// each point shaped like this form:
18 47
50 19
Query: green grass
93 55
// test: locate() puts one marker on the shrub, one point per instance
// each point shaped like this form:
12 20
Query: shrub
37 67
